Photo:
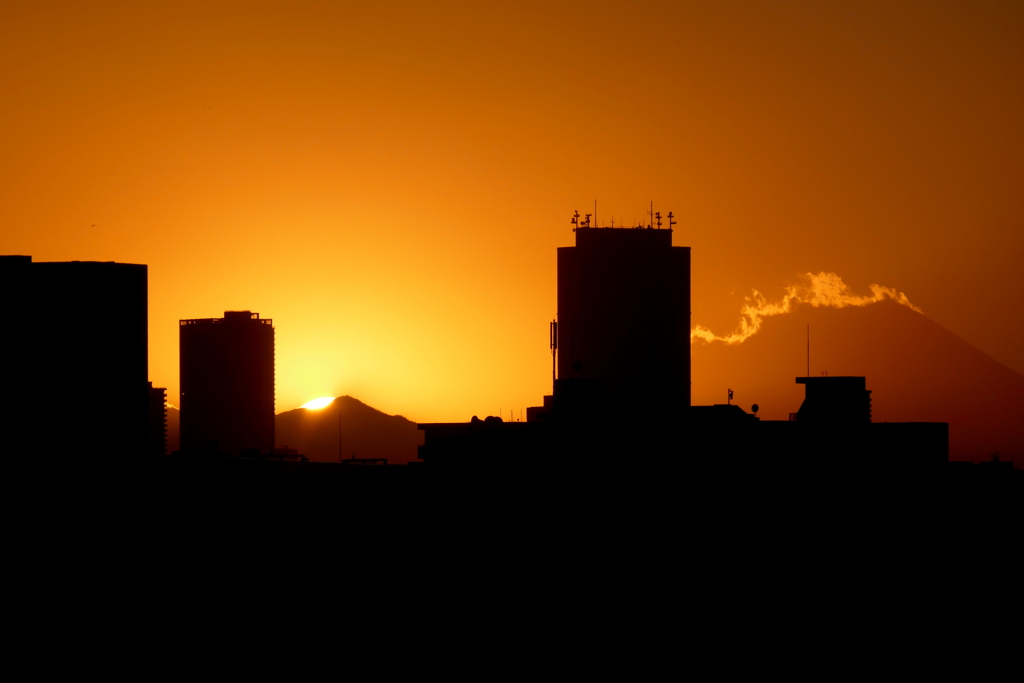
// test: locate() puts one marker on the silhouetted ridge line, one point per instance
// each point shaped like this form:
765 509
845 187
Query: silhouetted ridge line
348 428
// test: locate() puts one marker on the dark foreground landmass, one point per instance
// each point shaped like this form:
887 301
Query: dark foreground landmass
714 494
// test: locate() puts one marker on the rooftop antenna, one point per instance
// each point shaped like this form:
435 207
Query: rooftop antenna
808 349
658 217
670 221
575 220
651 224
554 348
730 398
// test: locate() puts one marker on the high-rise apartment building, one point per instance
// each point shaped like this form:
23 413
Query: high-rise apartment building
74 353
227 384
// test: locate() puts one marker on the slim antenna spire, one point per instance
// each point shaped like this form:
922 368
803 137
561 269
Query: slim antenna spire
554 349
808 349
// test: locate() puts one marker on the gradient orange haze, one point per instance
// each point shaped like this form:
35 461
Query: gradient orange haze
389 181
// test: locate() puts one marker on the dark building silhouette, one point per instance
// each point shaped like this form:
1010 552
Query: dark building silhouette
832 434
227 384
622 389
623 323
835 400
157 433
622 393
77 328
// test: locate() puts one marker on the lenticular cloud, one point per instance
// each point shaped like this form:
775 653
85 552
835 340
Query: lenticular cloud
823 289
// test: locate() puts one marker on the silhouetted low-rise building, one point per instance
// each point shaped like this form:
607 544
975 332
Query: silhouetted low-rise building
718 440
834 400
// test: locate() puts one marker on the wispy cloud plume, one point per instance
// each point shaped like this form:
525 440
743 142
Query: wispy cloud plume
823 289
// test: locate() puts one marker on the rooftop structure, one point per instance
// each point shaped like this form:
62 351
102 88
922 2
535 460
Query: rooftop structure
835 400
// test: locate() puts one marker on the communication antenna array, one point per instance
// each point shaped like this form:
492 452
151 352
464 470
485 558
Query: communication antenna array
655 216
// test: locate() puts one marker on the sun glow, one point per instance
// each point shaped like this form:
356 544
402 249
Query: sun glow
318 403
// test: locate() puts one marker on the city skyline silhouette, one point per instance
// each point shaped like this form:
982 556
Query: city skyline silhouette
623 307
397 211
620 376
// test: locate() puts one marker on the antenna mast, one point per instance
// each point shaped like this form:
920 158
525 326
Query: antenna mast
554 348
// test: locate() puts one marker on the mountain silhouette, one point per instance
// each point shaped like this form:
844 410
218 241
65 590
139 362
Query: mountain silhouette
917 371
173 429
364 433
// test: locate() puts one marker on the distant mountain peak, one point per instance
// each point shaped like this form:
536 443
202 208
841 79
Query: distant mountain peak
348 427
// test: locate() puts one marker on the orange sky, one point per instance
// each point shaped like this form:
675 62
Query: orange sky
389 181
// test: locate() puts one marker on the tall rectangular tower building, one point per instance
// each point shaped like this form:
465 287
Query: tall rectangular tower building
73 329
624 321
227 384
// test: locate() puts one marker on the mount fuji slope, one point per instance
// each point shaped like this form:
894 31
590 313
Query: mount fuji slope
917 371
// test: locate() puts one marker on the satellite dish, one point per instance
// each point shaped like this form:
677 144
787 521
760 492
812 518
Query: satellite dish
755 408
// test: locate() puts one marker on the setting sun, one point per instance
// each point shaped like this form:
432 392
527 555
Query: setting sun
318 403
252 157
